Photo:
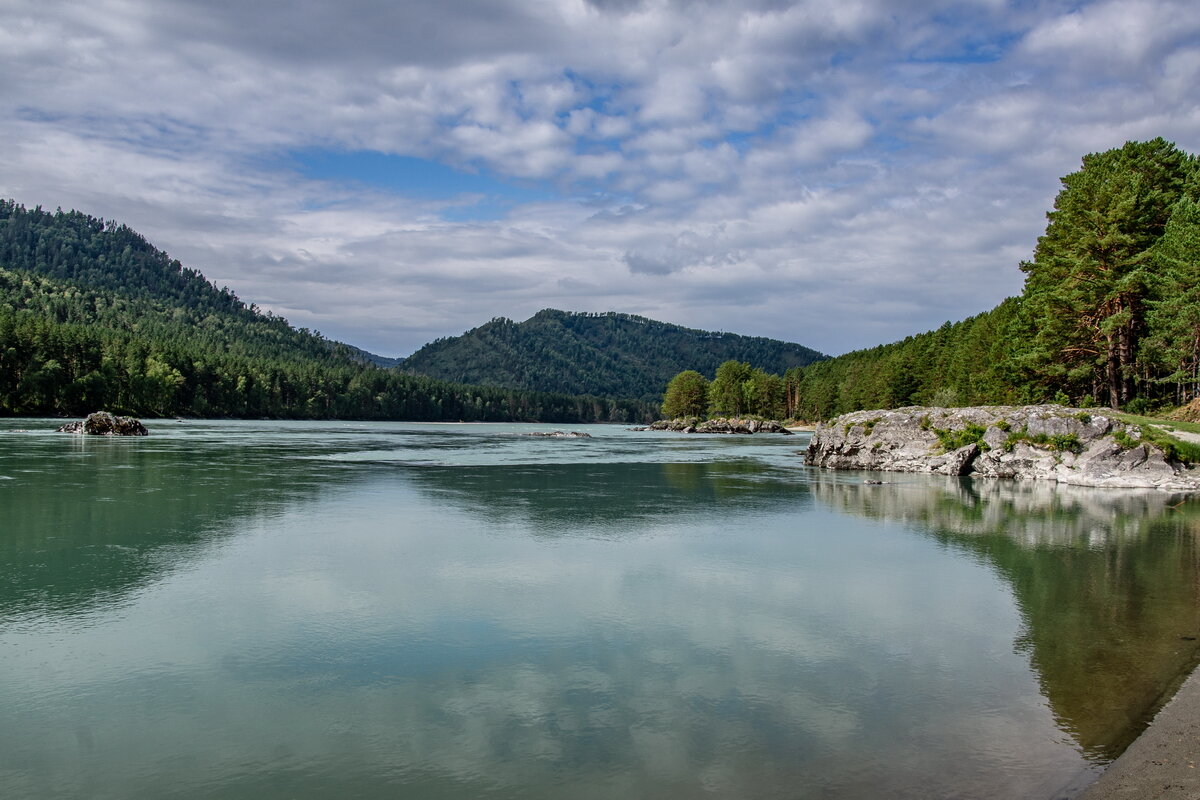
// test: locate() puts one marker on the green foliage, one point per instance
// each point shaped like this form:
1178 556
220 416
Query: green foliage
614 355
727 395
954 439
1062 442
1155 432
1126 441
92 316
1083 417
1088 286
686 395
1110 308
739 390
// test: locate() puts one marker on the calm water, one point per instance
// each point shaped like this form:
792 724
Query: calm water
256 609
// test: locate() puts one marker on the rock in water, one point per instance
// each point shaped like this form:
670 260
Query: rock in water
102 423
560 434
1082 447
718 425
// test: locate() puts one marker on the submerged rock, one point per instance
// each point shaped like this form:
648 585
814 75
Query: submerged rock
1047 442
102 423
719 425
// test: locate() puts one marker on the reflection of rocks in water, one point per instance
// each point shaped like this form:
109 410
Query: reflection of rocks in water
1031 512
1108 584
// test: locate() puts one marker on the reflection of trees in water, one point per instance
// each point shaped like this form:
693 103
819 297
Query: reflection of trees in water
85 526
1107 581
559 498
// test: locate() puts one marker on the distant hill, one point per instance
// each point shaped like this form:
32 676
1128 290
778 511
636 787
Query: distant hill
609 354
366 357
92 316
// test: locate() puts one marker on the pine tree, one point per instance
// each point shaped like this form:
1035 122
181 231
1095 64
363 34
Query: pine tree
1174 316
1087 287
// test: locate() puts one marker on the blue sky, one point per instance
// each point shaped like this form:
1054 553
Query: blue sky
837 174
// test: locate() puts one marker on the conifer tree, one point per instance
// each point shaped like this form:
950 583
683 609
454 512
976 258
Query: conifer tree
1086 289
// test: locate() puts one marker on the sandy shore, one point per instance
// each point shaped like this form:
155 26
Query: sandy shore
1161 763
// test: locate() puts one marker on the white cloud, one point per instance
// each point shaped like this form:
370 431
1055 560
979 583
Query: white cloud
835 174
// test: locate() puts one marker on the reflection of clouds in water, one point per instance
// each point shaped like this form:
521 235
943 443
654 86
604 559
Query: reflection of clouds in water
743 654
600 629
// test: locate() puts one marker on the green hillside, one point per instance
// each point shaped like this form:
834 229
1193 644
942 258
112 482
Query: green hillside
611 355
1109 315
93 316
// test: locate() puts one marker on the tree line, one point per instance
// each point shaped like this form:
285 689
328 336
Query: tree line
610 354
92 317
1109 313
736 390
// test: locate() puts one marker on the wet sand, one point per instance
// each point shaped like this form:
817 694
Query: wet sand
1162 763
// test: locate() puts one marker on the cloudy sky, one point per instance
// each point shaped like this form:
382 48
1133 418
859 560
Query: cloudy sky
388 171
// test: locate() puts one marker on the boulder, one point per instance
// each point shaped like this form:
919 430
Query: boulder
719 425
1082 447
560 434
102 423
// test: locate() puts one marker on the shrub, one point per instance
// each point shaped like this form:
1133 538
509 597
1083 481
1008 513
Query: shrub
952 440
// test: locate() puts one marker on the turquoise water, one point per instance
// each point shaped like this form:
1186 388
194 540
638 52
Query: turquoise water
274 609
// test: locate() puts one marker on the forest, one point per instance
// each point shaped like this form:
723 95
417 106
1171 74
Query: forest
92 316
609 354
1109 314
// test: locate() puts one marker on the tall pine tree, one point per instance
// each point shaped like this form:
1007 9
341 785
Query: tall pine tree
1086 290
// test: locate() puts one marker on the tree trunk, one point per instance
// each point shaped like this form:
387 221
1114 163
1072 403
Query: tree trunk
1125 372
1114 375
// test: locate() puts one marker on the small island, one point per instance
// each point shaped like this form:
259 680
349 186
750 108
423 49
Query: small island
717 425
103 423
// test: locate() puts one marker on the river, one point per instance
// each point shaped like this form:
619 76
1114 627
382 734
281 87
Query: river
229 609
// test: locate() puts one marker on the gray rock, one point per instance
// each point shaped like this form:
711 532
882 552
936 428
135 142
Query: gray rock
102 423
1047 442
560 434
718 425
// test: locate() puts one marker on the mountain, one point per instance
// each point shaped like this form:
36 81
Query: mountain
93 316
609 354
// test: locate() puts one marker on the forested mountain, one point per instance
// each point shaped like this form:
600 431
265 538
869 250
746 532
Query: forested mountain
611 355
93 316
1109 315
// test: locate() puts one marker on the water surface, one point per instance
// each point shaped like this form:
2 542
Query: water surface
268 609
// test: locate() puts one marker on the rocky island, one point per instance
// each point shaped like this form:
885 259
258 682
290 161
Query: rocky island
1082 447
717 425
102 423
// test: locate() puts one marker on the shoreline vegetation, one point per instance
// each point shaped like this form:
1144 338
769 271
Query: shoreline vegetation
1109 315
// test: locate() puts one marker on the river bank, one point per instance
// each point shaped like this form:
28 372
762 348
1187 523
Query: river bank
1161 763
1081 447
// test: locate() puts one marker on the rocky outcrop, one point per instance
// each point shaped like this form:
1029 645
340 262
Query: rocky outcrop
560 434
102 423
1069 445
719 425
